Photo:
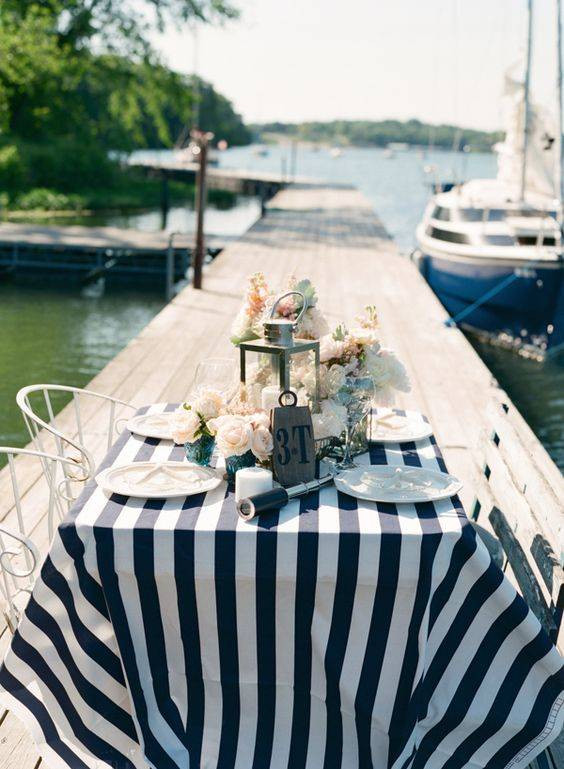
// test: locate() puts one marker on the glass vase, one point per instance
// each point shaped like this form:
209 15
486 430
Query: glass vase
200 451
355 394
234 463
359 436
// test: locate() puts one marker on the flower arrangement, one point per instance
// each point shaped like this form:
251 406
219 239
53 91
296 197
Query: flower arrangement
235 428
239 430
258 303
344 352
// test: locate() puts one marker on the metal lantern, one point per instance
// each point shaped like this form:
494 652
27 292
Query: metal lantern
280 345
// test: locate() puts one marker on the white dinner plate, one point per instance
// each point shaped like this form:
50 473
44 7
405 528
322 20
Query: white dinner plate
396 428
153 425
387 483
158 480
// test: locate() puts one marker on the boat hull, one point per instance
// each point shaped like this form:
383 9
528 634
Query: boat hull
501 297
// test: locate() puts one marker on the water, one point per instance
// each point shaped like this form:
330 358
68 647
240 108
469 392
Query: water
61 336
225 222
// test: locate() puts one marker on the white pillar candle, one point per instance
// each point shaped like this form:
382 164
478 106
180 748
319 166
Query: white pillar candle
269 397
250 481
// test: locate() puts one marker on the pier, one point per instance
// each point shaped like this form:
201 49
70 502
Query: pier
84 254
331 235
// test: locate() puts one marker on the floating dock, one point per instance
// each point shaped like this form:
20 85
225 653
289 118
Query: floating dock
332 236
84 254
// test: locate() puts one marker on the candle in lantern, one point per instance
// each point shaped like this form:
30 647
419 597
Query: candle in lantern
252 480
269 397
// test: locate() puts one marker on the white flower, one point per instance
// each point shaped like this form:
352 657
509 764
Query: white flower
331 421
185 425
233 434
363 336
259 419
261 443
330 349
208 403
388 373
313 325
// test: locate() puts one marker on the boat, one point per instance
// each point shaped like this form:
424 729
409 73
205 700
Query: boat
491 249
335 152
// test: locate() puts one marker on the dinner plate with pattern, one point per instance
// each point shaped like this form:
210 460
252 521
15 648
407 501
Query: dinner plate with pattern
159 480
403 484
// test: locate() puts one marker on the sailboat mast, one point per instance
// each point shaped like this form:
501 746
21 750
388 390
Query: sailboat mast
558 169
526 97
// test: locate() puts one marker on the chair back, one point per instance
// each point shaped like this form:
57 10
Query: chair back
72 422
25 499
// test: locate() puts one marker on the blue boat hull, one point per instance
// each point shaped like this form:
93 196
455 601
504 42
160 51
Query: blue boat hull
527 305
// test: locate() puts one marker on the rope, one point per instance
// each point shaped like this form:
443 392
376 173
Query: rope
479 302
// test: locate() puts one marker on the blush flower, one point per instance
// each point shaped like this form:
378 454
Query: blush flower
330 348
208 403
233 434
261 443
185 426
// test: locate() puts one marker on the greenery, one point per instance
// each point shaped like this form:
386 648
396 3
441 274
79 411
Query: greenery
79 80
370 133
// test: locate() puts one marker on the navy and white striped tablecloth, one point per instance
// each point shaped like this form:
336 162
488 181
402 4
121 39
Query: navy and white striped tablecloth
334 634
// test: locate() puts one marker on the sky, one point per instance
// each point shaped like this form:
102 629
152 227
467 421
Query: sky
435 60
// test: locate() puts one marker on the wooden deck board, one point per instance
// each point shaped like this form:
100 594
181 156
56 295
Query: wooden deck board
331 235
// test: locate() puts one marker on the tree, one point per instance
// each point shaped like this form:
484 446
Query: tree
118 24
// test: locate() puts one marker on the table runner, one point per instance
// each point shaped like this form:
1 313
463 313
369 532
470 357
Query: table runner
335 633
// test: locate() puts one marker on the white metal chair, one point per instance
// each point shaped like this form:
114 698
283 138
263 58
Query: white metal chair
19 557
73 430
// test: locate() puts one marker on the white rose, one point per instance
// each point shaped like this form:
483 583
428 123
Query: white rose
260 419
261 443
185 425
330 349
233 434
208 403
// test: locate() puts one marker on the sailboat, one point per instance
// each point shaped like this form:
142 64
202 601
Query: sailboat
492 249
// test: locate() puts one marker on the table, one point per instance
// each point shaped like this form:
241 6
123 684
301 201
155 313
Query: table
334 633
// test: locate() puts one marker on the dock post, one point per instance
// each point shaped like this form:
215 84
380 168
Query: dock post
170 267
201 138
164 200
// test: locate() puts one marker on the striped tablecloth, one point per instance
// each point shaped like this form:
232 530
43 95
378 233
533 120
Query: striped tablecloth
334 634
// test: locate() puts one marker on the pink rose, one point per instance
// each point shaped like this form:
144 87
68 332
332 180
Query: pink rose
233 434
261 443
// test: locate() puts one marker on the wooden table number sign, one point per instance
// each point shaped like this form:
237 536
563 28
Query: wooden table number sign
293 457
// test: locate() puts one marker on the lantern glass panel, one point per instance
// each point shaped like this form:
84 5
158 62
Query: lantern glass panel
264 364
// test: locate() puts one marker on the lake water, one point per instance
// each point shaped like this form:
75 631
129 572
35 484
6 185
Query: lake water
64 336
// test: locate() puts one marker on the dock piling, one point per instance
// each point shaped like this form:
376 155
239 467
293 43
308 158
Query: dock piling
202 139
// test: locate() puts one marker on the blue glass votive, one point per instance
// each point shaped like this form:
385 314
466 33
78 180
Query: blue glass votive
234 463
200 451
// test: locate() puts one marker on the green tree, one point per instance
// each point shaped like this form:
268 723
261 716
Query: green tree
118 23
78 79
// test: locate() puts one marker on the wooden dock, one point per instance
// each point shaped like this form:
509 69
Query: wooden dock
29 251
332 236
260 183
